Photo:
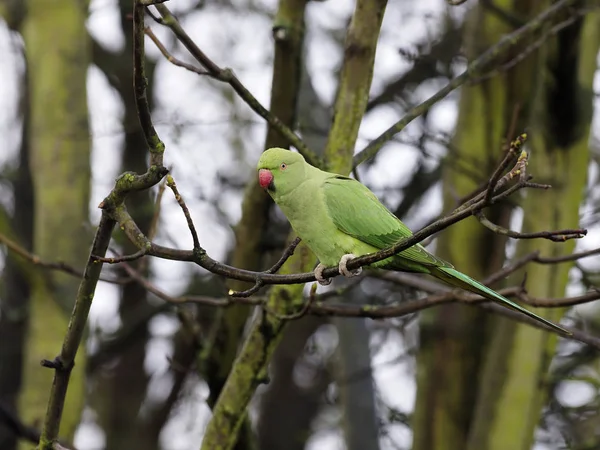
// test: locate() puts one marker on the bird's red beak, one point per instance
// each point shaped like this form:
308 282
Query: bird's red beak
265 178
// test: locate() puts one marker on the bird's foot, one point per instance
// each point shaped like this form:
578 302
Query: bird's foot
319 275
344 270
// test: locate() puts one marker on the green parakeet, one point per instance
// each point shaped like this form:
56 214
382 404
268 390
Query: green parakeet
340 218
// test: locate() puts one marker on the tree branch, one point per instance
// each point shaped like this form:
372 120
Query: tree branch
227 76
66 359
555 236
171 58
473 70
200 257
126 183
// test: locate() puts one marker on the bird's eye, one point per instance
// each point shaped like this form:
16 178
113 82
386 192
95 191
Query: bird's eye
283 166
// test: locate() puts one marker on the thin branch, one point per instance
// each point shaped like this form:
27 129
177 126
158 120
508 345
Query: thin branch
200 257
21 251
66 359
573 16
120 259
186 211
153 228
559 302
170 57
13 422
555 236
289 251
513 149
414 306
567 258
140 83
473 70
519 171
197 299
227 76
57 265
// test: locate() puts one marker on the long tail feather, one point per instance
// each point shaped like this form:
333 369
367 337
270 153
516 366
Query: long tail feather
458 279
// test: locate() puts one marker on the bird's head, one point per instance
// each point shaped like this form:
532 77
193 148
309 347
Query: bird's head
280 170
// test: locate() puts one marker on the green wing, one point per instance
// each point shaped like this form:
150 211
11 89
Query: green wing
356 211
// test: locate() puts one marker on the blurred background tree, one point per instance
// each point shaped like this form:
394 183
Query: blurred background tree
455 377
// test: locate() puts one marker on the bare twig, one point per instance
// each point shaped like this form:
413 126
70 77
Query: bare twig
186 211
13 422
566 258
227 76
473 70
153 228
59 265
170 57
289 251
555 236
513 150
575 15
198 299
559 302
119 259
519 171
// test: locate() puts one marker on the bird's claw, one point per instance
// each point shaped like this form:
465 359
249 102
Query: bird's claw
319 275
344 270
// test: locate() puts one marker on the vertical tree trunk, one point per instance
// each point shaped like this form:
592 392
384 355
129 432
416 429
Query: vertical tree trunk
57 50
14 307
355 383
514 384
485 388
453 337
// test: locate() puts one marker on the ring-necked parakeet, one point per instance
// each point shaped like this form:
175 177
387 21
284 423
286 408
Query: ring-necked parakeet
340 218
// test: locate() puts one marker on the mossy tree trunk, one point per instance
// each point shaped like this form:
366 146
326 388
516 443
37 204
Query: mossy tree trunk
515 380
17 277
251 365
453 336
480 379
57 51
